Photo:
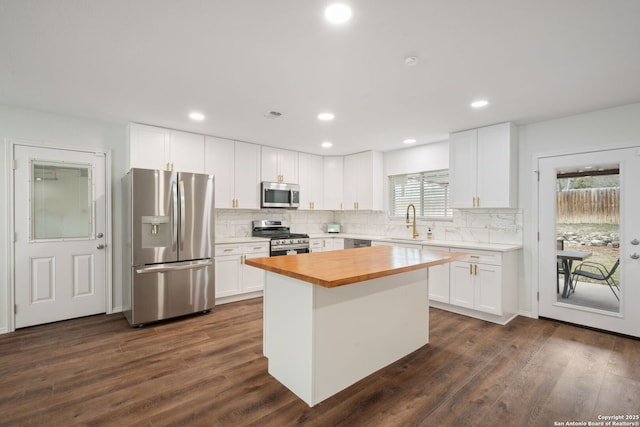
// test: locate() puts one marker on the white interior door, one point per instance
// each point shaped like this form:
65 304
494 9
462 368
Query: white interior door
625 317
60 226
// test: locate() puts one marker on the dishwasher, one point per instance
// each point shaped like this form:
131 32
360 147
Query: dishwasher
356 243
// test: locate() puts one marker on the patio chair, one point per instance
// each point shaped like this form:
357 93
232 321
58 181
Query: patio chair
560 267
597 271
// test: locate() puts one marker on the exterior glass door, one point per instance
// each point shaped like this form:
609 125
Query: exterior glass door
588 266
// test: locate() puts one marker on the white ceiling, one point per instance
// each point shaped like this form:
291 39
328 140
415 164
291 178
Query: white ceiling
154 61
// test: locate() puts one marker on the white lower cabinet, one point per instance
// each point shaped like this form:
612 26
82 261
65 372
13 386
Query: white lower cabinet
438 279
485 282
326 244
482 285
234 279
337 243
476 286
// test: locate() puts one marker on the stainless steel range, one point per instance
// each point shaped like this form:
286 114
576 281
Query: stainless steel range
283 241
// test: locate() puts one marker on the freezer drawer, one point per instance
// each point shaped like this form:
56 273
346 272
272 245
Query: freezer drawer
163 291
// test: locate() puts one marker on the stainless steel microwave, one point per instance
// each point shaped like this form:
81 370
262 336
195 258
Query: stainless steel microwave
279 195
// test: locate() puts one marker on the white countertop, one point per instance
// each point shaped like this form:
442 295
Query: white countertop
232 240
436 243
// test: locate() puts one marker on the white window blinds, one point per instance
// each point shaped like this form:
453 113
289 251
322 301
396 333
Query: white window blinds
428 191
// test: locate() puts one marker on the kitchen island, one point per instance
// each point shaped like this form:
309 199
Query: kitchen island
332 318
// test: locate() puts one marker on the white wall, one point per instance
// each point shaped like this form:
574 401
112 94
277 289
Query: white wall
66 131
614 127
428 157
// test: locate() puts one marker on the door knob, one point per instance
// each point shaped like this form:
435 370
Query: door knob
100 246
99 235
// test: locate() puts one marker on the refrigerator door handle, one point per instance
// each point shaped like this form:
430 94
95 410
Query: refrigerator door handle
183 207
174 214
167 267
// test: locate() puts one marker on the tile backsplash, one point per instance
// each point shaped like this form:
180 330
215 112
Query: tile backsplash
477 225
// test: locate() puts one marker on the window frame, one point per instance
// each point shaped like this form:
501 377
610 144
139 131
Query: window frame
424 177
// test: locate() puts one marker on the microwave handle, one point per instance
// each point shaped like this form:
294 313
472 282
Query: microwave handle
290 196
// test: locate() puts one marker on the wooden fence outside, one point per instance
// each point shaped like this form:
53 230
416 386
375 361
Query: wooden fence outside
589 206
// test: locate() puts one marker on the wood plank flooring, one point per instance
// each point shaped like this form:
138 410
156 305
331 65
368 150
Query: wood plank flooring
208 370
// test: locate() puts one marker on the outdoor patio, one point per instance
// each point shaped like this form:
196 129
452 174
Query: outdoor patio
592 295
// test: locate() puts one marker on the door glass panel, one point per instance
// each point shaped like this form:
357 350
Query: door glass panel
61 201
588 236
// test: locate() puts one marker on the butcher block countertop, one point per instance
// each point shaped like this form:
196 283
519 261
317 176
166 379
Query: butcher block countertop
338 268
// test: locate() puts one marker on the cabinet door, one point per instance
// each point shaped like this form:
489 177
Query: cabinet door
187 152
247 175
488 288
351 180
310 181
369 181
279 165
461 283
227 276
337 244
494 181
439 280
269 164
253 278
317 245
288 166
218 162
148 147
333 182
462 168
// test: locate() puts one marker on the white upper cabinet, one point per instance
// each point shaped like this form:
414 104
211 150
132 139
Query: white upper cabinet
152 147
363 179
187 152
311 182
483 167
235 166
279 165
148 146
333 170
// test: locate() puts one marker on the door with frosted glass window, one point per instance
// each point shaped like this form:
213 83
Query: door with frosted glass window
59 224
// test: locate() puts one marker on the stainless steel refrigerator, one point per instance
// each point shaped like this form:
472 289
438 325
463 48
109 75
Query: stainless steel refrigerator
169 244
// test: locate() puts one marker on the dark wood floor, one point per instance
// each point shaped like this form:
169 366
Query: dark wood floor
209 370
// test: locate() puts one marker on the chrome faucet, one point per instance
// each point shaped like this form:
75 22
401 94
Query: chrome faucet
415 232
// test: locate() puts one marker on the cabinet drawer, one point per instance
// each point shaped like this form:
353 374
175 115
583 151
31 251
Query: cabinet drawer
252 248
316 243
228 250
481 257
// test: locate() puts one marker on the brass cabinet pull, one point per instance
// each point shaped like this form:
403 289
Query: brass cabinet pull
476 269
470 269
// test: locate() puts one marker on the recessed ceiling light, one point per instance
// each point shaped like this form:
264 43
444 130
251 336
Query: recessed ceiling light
411 61
326 144
326 116
196 116
338 13
409 141
480 103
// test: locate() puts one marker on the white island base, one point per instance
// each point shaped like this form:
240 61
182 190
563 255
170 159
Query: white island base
321 340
